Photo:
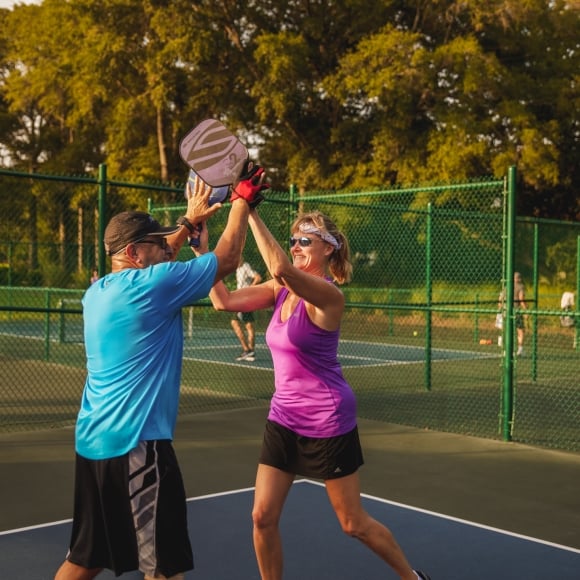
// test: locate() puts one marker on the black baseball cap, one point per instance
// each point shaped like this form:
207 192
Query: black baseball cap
130 226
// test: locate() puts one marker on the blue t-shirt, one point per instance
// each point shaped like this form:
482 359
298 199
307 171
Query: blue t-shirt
134 345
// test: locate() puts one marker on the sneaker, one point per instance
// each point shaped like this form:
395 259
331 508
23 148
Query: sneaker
244 355
422 575
250 356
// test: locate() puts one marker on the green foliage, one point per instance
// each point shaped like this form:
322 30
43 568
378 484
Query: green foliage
561 256
331 95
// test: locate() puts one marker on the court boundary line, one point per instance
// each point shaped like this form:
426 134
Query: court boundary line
409 346
458 520
364 495
36 527
366 361
377 363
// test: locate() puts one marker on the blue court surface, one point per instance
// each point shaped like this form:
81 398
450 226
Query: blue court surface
219 345
351 353
314 546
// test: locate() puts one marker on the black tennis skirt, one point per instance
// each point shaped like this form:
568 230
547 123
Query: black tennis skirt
320 458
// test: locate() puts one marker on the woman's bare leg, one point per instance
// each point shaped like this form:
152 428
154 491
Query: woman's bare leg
272 487
344 495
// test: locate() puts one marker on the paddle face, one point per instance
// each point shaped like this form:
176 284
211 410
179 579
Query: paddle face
217 195
214 153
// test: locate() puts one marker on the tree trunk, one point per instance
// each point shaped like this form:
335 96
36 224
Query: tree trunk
162 147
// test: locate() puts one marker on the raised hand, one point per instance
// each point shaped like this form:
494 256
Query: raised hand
251 185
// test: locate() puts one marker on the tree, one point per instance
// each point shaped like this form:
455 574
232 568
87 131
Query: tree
467 89
329 95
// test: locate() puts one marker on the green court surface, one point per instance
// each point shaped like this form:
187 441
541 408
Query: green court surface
456 386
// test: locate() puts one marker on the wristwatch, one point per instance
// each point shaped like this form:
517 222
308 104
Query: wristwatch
183 221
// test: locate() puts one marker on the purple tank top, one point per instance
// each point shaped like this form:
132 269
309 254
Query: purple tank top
312 398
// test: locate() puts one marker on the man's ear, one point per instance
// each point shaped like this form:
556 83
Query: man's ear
131 253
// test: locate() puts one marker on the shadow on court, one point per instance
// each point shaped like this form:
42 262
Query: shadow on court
461 507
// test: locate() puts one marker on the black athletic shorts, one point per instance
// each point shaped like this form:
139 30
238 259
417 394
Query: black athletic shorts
244 317
320 458
130 513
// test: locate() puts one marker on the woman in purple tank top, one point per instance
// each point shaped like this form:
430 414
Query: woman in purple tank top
311 428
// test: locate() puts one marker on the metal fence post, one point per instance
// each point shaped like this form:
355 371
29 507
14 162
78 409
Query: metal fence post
10 252
577 300
508 359
47 325
292 207
102 179
536 282
429 297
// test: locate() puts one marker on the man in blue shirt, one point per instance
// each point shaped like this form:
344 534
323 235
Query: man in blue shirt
129 509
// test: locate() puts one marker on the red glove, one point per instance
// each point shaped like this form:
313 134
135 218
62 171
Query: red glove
250 186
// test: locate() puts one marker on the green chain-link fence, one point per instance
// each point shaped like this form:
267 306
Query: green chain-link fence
418 344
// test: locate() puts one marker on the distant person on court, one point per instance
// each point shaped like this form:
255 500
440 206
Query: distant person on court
311 429
245 276
130 509
519 307
95 276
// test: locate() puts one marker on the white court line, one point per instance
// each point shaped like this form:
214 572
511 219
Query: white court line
389 345
365 495
458 520
364 361
37 527
197 498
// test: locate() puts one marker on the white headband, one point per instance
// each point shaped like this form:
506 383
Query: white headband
310 229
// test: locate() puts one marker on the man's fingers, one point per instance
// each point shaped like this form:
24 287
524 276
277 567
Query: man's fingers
188 191
202 188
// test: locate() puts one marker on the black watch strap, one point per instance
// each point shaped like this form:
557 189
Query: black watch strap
183 221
